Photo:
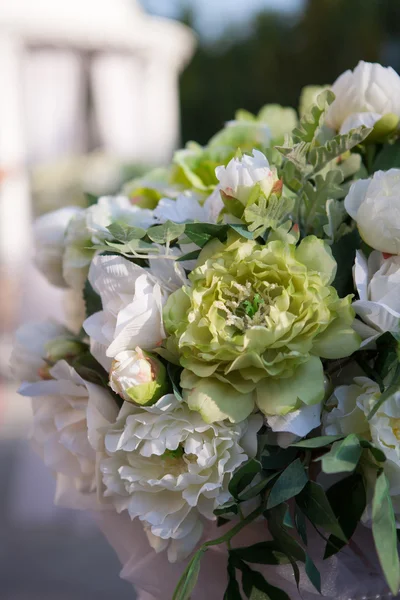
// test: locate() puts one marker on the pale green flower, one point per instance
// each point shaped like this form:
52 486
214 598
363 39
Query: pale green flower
252 328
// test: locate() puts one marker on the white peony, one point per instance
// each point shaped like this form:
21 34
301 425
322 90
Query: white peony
49 236
378 285
27 361
186 207
238 178
363 96
90 227
295 424
375 206
67 413
350 406
132 302
170 469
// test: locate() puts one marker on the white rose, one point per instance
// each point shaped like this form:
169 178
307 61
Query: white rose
170 469
138 377
67 413
27 361
378 286
239 177
90 227
132 302
374 205
351 406
363 96
49 236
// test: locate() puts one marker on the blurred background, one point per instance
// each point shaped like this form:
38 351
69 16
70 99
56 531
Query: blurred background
94 92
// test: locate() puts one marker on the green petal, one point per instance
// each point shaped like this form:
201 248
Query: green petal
337 341
216 401
281 396
316 255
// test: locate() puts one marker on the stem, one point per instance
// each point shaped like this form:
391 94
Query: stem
235 530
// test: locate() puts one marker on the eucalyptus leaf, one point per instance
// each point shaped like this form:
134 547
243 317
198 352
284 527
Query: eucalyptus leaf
125 233
384 532
166 233
289 484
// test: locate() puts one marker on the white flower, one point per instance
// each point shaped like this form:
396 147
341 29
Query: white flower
27 360
137 376
132 302
351 406
49 233
90 227
295 424
67 413
238 178
189 207
170 469
374 205
363 96
378 286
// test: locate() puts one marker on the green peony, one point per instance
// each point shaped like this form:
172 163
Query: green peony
252 328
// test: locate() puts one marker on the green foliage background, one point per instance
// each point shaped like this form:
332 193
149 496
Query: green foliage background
279 54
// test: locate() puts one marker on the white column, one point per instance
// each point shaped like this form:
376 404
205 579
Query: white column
161 119
117 81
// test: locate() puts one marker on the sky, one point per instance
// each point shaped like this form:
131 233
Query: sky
213 16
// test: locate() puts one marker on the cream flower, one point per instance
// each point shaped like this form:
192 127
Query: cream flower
132 309
90 227
49 233
28 355
363 96
138 377
378 285
170 469
374 205
67 413
351 406
238 178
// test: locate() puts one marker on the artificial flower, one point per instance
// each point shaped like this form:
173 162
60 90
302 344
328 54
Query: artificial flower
67 414
252 326
373 204
49 238
364 96
170 469
378 285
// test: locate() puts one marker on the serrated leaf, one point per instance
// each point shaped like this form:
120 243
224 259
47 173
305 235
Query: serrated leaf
311 121
384 532
289 484
292 176
343 456
166 233
336 214
314 503
320 156
315 196
267 213
244 476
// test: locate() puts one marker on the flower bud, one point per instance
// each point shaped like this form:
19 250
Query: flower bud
138 377
63 348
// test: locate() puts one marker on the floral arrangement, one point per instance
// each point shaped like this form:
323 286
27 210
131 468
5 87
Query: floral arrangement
239 360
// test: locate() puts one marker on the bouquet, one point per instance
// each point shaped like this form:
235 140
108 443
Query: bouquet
238 367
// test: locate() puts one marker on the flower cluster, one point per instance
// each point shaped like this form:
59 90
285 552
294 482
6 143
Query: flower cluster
241 334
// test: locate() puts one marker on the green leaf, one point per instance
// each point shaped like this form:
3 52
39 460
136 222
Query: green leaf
292 176
289 484
318 442
267 214
285 540
384 532
315 196
232 592
255 490
165 233
390 390
189 256
377 453
242 230
92 300
386 359
343 456
202 233
263 553
311 121
244 476
174 374
125 233
313 502
348 513
344 252
388 158
188 581
227 508
300 523
274 457
319 157
313 574
89 369
255 580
